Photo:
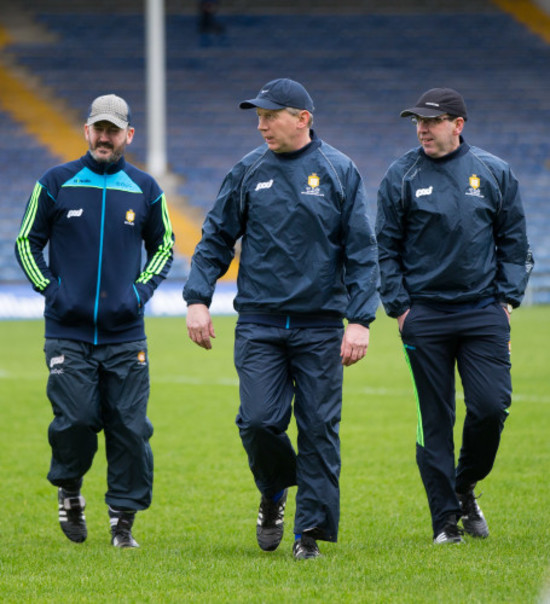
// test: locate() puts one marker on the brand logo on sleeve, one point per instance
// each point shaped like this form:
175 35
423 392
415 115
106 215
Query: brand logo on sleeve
75 213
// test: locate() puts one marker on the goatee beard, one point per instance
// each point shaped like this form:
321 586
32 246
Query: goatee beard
115 156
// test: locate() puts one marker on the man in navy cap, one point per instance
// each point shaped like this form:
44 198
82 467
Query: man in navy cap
308 261
454 262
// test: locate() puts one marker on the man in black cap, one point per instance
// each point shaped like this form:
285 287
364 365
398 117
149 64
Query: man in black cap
96 213
308 261
454 262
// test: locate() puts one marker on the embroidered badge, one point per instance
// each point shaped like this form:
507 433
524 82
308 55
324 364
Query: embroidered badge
313 180
475 183
130 217
313 184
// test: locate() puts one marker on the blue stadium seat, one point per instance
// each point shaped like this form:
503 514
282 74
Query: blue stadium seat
360 69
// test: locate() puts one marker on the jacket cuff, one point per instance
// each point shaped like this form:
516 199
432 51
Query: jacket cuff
145 292
360 322
190 301
52 286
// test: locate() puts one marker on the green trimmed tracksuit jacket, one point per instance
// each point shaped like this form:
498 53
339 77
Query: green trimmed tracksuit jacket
95 218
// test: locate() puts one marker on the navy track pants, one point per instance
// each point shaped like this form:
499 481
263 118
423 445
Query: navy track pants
476 341
274 366
93 388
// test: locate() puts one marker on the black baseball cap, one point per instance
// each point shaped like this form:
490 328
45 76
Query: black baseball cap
438 101
279 94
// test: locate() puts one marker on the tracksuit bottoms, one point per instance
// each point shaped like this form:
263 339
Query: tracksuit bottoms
93 388
476 341
276 365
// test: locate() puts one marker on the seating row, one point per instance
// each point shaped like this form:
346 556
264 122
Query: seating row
361 71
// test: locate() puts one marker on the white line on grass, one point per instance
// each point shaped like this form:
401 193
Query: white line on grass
234 382
194 381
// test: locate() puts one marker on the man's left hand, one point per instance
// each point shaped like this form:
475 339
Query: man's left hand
354 344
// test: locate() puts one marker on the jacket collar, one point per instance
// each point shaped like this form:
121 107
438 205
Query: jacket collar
101 167
314 143
462 149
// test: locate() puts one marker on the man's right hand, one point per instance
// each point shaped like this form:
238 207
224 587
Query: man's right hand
199 325
401 319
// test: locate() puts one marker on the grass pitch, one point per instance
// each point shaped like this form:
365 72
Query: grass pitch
198 538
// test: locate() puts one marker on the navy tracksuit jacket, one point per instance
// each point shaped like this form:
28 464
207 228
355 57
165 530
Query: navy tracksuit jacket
453 248
308 260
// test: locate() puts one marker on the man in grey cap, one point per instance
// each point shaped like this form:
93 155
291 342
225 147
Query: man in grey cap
96 213
308 261
454 262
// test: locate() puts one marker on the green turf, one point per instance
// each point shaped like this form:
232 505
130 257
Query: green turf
198 538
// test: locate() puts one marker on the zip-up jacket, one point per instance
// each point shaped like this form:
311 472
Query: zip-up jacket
307 247
95 218
451 230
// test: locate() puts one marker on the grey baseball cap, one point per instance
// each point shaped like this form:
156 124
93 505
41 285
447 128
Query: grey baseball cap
109 108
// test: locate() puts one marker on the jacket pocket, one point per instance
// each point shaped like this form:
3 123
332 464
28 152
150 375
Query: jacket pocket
117 313
406 321
66 308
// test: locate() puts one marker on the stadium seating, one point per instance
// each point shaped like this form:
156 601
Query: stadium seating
361 70
22 161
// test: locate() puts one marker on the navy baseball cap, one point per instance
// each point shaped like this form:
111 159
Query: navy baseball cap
438 101
279 94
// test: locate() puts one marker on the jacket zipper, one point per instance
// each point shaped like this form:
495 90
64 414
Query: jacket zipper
100 258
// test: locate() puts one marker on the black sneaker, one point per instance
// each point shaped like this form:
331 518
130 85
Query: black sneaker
270 525
451 533
71 515
121 528
305 547
473 520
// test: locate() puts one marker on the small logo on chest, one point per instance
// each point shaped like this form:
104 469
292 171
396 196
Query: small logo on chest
424 192
313 186
474 190
130 217
264 185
